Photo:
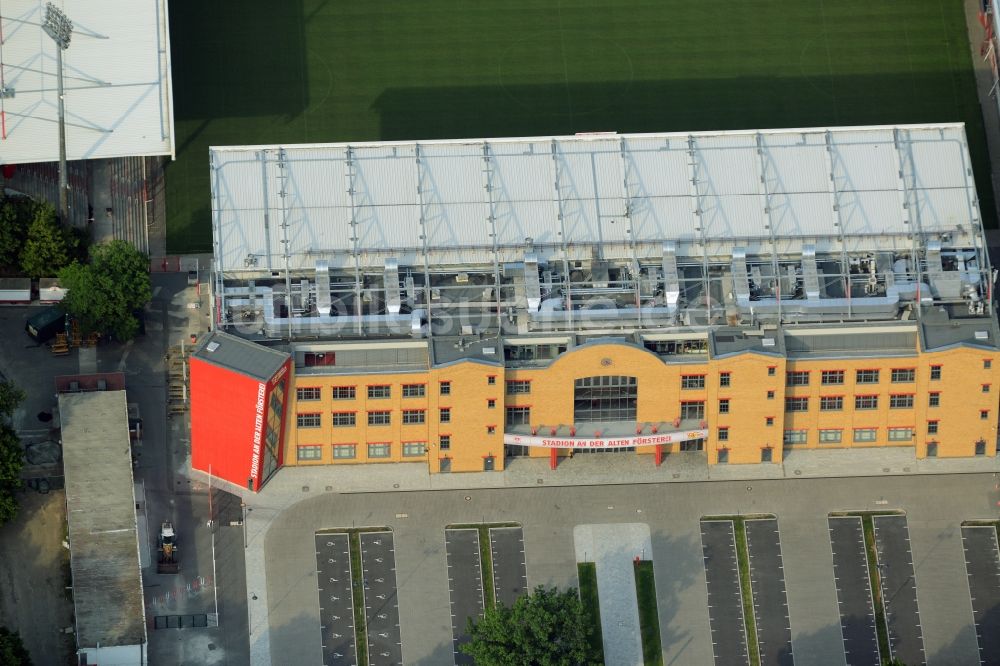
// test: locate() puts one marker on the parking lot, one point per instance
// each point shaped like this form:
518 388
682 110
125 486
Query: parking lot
336 600
378 564
725 602
767 580
899 589
857 614
465 585
510 579
822 559
982 560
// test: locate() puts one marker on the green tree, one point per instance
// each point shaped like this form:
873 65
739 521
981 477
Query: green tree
13 231
547 627
11 454
49 245
105 294
12 650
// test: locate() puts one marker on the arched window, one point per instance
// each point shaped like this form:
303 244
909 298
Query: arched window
605 398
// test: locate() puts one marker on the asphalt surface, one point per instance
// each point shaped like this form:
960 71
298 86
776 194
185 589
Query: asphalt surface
767 580
982 562
899 589
378 564
465 585
850 567
336 600
725 602
510 577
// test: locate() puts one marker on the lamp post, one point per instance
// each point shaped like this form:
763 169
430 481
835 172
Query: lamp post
60 29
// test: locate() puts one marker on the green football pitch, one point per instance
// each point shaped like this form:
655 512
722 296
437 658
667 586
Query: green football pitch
295 71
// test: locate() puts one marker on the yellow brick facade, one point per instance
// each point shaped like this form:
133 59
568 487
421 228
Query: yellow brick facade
757 419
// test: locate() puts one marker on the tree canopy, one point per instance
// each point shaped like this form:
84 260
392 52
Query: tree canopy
49 246
105 294
547 627
11 455
12 650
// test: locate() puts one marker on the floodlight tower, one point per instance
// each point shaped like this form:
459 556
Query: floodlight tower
60 29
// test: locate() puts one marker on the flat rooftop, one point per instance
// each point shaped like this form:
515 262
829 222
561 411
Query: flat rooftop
116 74
100 503
234 353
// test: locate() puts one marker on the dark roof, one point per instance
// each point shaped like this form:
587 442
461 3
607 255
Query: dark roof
233 353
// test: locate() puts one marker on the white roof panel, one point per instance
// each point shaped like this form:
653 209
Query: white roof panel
117 85
608 188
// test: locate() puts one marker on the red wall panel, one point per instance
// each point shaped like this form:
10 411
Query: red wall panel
223 411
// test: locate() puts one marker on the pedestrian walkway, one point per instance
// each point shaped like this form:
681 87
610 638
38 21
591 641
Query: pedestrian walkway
612 549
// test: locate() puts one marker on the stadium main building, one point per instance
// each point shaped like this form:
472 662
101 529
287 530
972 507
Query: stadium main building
458 303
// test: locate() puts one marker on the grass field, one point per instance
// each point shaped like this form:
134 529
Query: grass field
332 70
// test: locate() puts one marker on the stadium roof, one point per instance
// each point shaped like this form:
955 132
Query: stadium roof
100 505
481 200
117 81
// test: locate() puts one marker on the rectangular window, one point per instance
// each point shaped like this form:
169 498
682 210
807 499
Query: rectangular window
344 450
414 416
444 442
414 390
379 418
900 434
771 370
831 403
933 399
725 379
865 434
723 434
491 430
312 452
797 378
694 409
311 393
832 436
344 392
935 372
491 380
796 404
692 382
796 436
308 420
379 392
984 414
986 388
770 395
445 415
518 415
903 375
491 403
311 359
605 398
414 449
832 377
863 402
769 420
344 419
987 363
518 386
383 450
866 377
724 406
932 427
445 388
901 401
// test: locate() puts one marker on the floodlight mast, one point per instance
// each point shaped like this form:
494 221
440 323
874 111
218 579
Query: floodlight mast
58 26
